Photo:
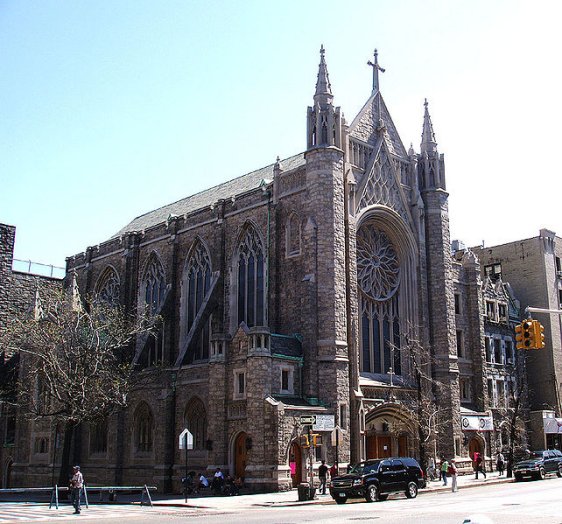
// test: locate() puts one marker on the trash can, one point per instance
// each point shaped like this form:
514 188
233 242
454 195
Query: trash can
305 491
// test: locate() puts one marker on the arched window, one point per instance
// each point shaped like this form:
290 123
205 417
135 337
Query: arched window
196 422
144 429
378 278
107 288
153 285
251 281
293 233
197 281
98 436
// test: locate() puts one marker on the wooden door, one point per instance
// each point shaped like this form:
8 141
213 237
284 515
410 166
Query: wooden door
371 447
295 463
384 447
402 446
240 454
474 447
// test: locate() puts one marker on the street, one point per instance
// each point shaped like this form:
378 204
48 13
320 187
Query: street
512 503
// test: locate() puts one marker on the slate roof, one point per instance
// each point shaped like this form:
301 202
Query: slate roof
207 197
289 346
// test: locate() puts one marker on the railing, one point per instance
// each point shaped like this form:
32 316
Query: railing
36 268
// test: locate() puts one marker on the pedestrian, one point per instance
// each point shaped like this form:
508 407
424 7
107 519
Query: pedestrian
431 473
444 469
218 482
452 471
202 483
322 474
500 462
76 485
479 466
333 471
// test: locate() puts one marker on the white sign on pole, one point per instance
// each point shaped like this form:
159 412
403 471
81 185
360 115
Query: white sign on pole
182 440
324 423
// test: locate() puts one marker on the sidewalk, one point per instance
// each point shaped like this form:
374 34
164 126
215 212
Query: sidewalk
290 498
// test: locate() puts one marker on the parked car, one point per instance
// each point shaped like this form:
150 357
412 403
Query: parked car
375 479
539 464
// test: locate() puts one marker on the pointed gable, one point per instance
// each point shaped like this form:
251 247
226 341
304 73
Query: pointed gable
366 126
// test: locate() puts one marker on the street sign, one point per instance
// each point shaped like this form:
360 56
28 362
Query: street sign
186 438
308 419
324 423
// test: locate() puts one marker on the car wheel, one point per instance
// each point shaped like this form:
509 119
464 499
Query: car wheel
541 474
518 478
559 472
372 494
341 500
412 490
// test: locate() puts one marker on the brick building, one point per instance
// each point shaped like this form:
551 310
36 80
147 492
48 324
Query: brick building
533 268
322 284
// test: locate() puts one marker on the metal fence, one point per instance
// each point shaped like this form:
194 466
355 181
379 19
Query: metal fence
36 268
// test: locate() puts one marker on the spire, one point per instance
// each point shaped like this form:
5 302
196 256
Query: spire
323 87
376 68
428 143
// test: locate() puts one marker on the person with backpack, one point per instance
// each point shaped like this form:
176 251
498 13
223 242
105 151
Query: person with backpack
452 472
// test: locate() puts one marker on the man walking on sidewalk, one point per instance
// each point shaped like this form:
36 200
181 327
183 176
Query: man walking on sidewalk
322 474
444 469
76 484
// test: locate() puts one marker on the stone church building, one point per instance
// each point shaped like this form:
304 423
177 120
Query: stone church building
322 284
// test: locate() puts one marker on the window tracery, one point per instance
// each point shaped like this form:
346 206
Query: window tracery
108 287
251 281
144 427
154 286
196 423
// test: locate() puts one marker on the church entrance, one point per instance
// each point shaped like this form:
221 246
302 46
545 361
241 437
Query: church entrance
295 463
475 446
240 455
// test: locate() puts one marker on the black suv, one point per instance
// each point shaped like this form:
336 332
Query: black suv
539 464
376 479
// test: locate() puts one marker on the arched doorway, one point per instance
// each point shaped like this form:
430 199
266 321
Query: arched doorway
475 445
241 445
6 481
295 463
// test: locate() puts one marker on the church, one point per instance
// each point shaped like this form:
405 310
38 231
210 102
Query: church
321 286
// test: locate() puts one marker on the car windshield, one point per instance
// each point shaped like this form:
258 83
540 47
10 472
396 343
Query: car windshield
536 455
364 467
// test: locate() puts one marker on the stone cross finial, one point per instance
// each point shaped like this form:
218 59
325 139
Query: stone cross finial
376 68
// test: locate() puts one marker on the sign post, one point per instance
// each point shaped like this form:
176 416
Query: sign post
185 443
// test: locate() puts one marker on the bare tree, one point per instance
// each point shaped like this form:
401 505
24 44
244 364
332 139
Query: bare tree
74 361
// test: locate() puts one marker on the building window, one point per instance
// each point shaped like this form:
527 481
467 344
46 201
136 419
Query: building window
502 312
196 422
488 347
498 351
144 427
378 276
509 354
98 437
154 286
460 344
41 445
501 393
457 304
558 266
465 390
239 384
560 298
293 234
343 416
197 282
10 429
492 395
490 310
251 282
494 271
286 380
108 287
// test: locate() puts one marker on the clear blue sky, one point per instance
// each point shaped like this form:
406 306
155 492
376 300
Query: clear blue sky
113 108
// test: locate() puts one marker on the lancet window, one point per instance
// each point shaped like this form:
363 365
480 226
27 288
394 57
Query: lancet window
196 422
378 276
107 289
154 286
251 280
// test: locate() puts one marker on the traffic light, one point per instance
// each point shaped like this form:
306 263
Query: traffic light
304 441
524 335
538 335
316 439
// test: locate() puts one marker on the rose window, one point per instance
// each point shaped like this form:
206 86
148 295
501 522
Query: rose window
378 269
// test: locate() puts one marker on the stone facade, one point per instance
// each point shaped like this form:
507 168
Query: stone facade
322 284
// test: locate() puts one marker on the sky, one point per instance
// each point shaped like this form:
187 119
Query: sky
110 109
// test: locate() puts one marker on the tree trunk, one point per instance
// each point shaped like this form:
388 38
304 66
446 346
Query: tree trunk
65 457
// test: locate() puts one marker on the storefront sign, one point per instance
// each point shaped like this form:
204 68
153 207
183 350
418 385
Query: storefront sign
552 425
